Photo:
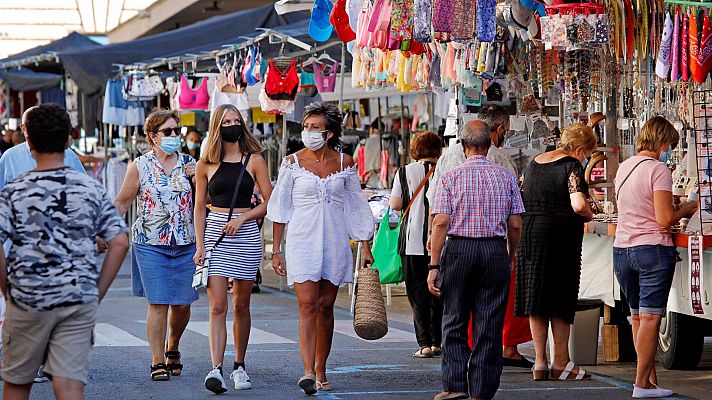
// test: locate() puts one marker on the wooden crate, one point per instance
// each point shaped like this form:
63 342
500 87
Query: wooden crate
618 343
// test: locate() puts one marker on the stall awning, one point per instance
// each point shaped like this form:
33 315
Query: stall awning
72 42
91 69
25 79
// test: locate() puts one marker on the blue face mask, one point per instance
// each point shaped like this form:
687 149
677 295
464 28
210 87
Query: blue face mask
192 145
169 144
666 156
584 162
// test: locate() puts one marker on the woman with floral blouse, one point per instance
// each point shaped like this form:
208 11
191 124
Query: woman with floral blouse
163 238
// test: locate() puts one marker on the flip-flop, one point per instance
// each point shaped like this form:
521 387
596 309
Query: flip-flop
324 386
423 354
308 384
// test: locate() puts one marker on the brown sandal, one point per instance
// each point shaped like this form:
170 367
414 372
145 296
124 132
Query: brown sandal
566 374
541 374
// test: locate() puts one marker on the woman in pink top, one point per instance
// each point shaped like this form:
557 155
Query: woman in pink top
644 256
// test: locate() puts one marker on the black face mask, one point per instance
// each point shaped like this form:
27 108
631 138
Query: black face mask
500 141
232 133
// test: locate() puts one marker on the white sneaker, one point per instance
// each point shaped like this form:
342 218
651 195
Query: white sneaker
242 381
215 382
640 393
41 377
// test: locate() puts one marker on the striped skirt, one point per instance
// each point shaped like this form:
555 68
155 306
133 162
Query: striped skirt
237 256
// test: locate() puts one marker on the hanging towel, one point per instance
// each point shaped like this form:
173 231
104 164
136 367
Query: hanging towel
684 53
421 20
705 48
486 20
695 67
662 66
675 74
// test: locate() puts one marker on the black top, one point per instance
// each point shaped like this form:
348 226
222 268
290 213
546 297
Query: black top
547 187
222 186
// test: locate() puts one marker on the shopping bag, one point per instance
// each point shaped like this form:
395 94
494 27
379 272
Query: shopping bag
385 252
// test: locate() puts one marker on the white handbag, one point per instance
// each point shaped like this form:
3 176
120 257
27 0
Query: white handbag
200 276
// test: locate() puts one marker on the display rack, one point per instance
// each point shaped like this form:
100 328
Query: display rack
702 131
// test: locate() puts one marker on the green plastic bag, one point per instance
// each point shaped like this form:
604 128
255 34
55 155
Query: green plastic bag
385 252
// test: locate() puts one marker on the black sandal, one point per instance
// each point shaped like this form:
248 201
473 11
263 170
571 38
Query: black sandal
160 372
176 368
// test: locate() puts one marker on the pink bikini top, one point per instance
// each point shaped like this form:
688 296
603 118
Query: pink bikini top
325 81
190 99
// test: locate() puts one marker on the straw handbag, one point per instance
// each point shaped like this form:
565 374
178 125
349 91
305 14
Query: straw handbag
370 320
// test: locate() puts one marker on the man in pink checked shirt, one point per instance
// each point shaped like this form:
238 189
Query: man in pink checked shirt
477 208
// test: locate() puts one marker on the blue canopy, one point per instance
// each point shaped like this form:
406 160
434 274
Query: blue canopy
72 42
25 79
91 69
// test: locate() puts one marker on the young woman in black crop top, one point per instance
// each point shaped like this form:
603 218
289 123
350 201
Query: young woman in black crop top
231 148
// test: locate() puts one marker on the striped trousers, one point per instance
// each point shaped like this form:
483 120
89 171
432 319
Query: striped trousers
475 279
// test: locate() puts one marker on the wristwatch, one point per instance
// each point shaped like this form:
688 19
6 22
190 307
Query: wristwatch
433 267
276 253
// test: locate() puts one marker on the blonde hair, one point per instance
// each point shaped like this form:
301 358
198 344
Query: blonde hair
154 121
656 133
214 150
578 135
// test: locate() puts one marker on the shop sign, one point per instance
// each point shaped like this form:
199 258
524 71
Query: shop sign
696 281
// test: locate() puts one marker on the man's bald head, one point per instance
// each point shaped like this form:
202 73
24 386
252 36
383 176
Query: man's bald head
24 115
476 135
23 126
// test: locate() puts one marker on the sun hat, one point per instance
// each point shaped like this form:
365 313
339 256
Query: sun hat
340 20
319 26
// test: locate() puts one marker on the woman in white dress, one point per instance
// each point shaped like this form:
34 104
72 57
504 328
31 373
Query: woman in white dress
318 194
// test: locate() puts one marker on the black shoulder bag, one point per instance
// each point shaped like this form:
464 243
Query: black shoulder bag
200 277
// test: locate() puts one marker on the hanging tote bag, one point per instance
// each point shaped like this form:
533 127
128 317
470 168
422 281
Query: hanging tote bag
200 276
385 252
385 245
370 319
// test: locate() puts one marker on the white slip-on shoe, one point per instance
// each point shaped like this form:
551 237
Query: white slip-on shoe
656 393
215 382
242 380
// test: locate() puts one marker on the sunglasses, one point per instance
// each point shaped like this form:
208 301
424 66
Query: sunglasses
169 131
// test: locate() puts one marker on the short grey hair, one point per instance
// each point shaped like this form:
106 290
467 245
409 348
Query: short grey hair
493 115
476 134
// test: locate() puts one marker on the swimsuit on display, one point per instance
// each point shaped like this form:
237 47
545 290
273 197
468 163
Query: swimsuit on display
194 99
282 85
307 82
325 81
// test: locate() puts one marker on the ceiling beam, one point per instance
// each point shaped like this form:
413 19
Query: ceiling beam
155 14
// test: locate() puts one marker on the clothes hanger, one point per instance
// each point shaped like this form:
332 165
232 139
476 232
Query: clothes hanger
325 57
311 59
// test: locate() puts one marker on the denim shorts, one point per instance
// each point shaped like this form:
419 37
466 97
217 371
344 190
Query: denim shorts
645 274
163 274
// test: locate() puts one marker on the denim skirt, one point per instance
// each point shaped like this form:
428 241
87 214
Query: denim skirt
163 274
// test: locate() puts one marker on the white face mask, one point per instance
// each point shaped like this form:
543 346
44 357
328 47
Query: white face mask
313 140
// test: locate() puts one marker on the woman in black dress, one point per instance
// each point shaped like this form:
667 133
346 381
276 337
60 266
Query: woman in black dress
549 256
